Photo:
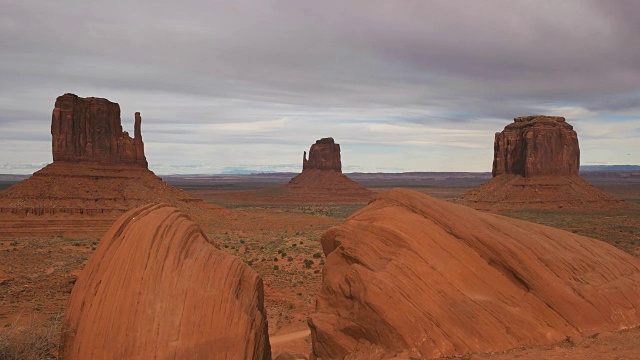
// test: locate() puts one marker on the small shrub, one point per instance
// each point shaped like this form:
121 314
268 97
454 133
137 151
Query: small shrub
289 258
317 255
316 271
294 245
307 263
275 258
275 267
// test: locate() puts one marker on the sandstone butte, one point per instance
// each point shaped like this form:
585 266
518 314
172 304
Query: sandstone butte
98 173
157 288
536 161
413 276
90 129
322 172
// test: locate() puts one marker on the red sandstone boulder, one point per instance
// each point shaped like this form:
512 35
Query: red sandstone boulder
537 145
90 129
157 288
424 278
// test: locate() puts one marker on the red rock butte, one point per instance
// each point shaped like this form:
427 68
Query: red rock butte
536 160
98 173
413 276
90 129
157 288
322 172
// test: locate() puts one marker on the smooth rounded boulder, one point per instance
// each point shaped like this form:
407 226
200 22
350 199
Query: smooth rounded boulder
420 277
157 288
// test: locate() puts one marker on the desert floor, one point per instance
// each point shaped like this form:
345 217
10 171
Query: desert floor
279 238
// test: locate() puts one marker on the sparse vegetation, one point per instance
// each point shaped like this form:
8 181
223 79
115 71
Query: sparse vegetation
307 263
34 340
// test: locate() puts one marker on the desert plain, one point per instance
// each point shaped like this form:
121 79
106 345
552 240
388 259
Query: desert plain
279 238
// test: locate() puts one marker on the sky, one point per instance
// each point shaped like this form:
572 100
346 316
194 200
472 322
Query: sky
226 86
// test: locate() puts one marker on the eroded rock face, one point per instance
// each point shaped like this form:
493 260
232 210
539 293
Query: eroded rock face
322 173
537 145
323 155
418 277
535 165
90 129
156 288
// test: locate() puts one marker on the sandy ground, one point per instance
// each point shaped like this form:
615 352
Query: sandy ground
281 242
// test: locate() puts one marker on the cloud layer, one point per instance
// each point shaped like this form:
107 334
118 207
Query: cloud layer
402 85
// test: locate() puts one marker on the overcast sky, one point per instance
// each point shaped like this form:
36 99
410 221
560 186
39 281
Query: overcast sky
401 85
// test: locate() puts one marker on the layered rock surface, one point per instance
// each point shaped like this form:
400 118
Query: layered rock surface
537 145
535 165
90 129
323 155
157 288
417 276
98 173
322 172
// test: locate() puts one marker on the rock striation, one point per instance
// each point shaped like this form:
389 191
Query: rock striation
90 129
322 173
418 277
536 161
537 145
157 288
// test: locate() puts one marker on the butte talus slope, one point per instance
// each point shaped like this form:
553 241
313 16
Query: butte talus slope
322 172
98 173
413 275
535 165
157 288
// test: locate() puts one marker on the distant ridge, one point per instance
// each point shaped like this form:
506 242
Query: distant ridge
610 168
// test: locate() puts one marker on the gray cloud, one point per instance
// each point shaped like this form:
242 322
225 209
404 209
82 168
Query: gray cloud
320 67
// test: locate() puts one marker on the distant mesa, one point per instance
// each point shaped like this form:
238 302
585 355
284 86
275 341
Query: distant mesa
416 277
536 160
157 288
322 172
90 129
98 171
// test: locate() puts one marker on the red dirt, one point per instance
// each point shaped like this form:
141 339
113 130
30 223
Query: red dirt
39 272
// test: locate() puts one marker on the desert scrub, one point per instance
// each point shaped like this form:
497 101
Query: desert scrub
33 340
